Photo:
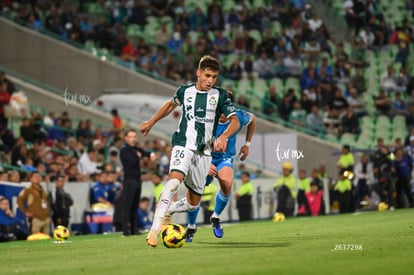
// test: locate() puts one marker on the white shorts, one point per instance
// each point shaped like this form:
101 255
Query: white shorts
193 165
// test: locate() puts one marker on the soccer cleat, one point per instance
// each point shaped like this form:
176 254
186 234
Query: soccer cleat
152 238
189 234
217 229
166 220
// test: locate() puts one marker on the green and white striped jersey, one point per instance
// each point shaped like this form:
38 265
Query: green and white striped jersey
201 111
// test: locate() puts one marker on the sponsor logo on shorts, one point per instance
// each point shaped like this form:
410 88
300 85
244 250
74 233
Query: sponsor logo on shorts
176 162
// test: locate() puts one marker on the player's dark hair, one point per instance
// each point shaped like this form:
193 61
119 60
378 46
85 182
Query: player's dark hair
207 61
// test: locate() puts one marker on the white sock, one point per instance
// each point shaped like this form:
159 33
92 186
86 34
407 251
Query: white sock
214 215
170 189
181 206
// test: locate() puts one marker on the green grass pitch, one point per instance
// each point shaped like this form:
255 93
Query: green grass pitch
364 243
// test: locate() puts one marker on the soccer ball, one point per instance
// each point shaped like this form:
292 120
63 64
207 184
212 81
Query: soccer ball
279 217
173 236
382 206
61 233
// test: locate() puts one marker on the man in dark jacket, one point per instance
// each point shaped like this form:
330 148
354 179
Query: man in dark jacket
130 156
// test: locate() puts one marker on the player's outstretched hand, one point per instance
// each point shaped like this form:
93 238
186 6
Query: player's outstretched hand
145 127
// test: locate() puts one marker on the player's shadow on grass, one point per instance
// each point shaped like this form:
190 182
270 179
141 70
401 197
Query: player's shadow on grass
243 244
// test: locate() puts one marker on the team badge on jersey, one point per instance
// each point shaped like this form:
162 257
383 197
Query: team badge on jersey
212 100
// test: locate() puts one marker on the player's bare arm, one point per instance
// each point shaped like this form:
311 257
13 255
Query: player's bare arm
164 111
221 142
244 150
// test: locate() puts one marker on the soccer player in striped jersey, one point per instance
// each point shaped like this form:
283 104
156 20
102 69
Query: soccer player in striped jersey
222 168
202 104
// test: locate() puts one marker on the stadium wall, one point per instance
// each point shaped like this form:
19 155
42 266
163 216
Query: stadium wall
263 200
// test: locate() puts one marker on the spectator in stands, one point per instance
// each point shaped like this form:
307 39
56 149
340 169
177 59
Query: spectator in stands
215 18
398 105
339 103
298 115
286 105
263 66
293 64
221 43
10 87
113 187
247 65
305 102
143 213
4 176
366 37
34 204
314 120
358 81
87 163
388 80
19 154
309 78
4 101
10 229
49 119
198 20
176 42
235 72
280 50
242 101
270 101
325 87
402 80
138 13
56 132
99 190
356 103
27 131
279 69
162 35
350 123
285 187
382 103
312 49
14 176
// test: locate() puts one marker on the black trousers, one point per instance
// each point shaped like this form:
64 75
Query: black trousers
344 200
60 221
403 186
130 197
285 202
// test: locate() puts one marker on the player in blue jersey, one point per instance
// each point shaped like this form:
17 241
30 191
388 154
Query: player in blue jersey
222 168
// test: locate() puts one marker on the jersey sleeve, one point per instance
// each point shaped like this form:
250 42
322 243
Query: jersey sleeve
244 117
178 97
225 105
145 154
